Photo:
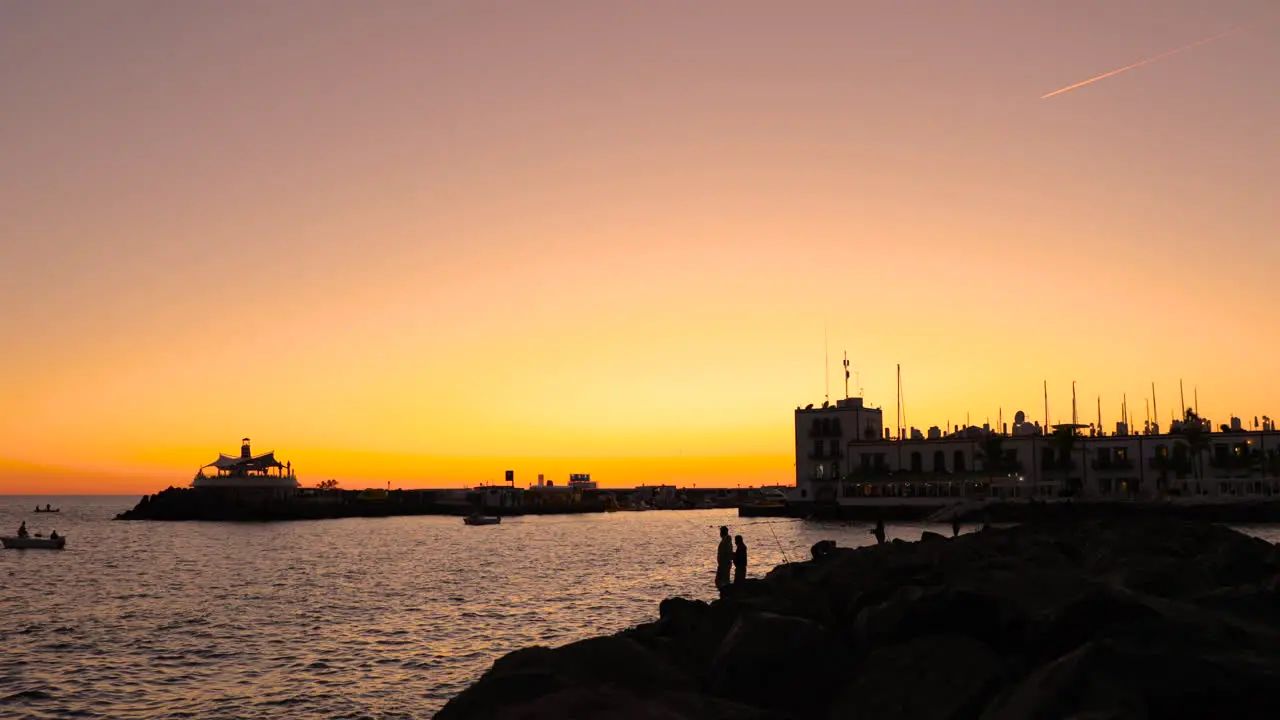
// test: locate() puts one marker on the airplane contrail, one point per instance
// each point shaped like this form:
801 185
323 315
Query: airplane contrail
1146 61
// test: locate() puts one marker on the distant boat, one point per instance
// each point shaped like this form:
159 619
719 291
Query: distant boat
481 520
34 543
45 510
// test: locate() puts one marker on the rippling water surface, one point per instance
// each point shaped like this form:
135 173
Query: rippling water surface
358 618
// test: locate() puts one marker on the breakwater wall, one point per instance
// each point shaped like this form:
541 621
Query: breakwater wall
241 505
1141 618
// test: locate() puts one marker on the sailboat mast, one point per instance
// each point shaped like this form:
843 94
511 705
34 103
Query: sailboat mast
899 401
902 404
1155 410
1046 407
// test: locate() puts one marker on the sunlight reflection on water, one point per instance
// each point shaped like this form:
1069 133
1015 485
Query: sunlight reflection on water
377 618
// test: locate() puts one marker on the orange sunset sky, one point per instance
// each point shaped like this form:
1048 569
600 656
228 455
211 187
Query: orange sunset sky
425 242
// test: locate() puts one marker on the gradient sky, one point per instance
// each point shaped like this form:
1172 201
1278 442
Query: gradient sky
425 242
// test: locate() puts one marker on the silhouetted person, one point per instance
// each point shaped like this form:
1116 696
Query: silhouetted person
724 558
879 531
22 529
955 526
53 535
822 548
986 521
739 560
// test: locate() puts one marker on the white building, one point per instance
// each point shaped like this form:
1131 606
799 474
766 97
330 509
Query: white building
844 454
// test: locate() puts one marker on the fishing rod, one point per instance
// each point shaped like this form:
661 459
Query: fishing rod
775 539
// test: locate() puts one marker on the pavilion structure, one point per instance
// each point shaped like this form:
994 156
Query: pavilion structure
247 472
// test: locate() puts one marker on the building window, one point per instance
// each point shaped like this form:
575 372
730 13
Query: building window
917 462
957 461
939 462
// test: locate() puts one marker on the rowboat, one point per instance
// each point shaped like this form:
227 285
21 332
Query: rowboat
34 543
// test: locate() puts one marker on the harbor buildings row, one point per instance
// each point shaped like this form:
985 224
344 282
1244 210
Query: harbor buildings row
846 455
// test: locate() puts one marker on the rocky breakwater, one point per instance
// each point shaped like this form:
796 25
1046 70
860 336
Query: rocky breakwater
1157 618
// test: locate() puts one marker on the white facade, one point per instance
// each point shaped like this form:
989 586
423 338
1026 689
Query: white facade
837 461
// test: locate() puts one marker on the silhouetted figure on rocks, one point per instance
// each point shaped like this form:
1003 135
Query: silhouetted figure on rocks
739 560
724 558
879 531
955 526
22 529
822 548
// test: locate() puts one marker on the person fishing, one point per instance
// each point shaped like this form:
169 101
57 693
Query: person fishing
878 531
724 558
739 560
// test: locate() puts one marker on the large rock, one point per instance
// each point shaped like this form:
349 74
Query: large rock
780 663
525 676
620 704
929 678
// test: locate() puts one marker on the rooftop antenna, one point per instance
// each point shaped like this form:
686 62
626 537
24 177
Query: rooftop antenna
846 374
1196 395
826 363
1182 397
1147 403
1074 418
1099 414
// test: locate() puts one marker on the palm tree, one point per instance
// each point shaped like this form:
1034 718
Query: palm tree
1064 445
992 453
1197 441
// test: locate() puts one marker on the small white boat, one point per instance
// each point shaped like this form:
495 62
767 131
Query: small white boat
481 520
34 543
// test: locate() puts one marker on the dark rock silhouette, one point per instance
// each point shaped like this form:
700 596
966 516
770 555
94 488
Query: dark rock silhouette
1154 618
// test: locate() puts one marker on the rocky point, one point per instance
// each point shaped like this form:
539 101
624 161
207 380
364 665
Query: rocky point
1156 618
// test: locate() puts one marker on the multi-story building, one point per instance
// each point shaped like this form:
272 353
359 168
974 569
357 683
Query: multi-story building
845 455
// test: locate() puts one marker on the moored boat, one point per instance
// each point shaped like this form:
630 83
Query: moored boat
764 508
34 543
481 520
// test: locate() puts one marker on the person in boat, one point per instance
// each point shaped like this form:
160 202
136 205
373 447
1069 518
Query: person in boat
724 558
739 560
53 535
48 508
22 529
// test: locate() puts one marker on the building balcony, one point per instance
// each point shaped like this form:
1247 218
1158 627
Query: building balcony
1122 465
825 455
1234 463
